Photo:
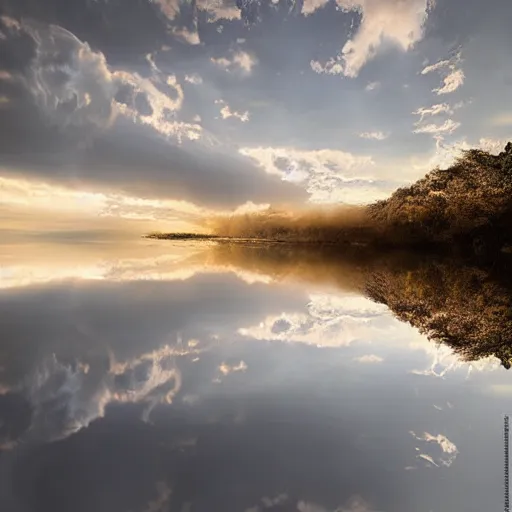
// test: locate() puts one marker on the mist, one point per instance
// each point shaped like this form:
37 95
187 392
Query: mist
327 225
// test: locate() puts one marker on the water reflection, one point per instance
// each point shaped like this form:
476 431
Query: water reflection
213 377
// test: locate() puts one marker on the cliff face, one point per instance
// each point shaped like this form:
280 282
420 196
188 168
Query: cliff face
470 203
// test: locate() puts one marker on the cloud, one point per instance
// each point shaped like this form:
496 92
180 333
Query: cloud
306 506
161 109
454 77
445 154
163 496
398 22
238 60
70 83
369 359
448 449
434 110
374 135
436 67
310 6
10 23
185 35
327 175
330 321
78 122
67 397
130 362
449 126
331 67
226 368
372 86
275 501
170 8
220 10
226 112
194 78
451 82
215 9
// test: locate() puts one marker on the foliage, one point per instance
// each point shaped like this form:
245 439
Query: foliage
469 201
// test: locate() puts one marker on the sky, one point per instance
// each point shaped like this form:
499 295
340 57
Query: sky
132 115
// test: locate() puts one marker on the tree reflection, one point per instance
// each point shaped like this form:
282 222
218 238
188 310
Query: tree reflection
460 303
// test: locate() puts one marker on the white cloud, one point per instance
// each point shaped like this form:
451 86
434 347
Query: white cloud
454 77
449 126
88 85
244 60
170 8
10 23
159 504
163 116
66 398
215 9
445 154
275 501
451 82
194 78
448 454
91 87
436 67
226 112
240 60
444 361
226 368
331 320
310 6
374 135
219 10
370 359
372 86
306 506
328 175
434 110
331 67
187 36
400 22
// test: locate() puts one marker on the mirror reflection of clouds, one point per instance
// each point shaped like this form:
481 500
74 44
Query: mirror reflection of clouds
259 373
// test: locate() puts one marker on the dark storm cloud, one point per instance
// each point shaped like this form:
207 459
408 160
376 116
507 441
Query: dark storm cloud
60 125
124 30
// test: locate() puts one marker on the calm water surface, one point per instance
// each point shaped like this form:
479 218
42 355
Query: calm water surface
149 376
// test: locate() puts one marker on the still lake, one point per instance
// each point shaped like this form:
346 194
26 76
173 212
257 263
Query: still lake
152 376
